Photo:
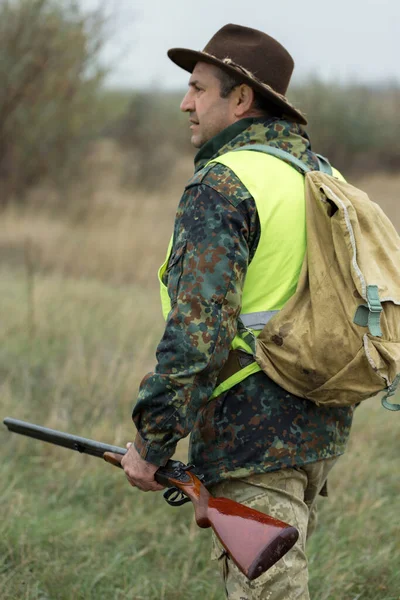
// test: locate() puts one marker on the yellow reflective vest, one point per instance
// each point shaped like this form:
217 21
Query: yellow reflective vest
272 275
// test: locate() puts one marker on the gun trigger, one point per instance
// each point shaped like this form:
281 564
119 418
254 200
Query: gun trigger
174 497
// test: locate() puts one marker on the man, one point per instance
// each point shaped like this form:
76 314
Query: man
237 249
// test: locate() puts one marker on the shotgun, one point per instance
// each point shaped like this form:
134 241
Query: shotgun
254 541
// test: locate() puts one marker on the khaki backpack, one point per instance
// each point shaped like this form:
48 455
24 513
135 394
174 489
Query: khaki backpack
337 340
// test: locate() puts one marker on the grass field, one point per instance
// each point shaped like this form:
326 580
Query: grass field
80 322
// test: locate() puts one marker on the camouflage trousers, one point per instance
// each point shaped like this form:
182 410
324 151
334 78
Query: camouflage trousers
289 495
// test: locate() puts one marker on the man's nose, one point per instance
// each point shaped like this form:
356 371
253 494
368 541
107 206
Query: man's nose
187 104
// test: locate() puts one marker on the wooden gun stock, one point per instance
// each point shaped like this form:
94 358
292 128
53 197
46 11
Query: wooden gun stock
254 540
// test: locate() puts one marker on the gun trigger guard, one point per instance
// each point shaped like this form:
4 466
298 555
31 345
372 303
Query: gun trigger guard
174 497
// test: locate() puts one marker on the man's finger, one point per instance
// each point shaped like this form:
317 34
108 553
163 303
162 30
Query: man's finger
149 487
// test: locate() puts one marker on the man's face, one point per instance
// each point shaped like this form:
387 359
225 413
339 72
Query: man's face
209 113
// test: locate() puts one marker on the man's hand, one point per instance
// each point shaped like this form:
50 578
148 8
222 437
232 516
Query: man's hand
139 472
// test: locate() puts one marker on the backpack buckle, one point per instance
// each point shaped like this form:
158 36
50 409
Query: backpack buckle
369 315
375 309
374 304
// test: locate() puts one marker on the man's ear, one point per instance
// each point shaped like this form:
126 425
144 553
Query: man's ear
244 99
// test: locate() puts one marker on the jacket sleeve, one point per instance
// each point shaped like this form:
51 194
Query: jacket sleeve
206 273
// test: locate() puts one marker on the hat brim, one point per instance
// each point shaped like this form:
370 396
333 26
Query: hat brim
187 60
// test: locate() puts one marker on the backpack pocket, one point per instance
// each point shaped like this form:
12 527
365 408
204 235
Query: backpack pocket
359 375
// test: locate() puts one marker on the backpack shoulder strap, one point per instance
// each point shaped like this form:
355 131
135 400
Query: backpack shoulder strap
323 163
278 153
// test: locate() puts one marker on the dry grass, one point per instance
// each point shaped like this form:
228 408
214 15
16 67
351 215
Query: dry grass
107 233
385 190
80 325
113 234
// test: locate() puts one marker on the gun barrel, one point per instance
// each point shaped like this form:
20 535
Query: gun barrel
59 438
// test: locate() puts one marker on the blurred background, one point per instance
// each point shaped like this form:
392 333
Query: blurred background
94 154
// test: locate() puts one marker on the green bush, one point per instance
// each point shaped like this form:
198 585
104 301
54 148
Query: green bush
49 77
356 126
153 134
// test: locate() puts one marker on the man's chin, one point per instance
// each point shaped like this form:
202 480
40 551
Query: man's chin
197 141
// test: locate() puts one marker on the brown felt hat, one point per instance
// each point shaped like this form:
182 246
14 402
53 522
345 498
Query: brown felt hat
258 60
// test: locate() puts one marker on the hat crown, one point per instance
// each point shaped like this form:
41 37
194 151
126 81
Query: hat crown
256 52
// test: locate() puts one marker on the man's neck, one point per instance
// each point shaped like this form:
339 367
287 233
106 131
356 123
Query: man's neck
210 149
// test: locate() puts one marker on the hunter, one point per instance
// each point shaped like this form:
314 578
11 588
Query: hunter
236 252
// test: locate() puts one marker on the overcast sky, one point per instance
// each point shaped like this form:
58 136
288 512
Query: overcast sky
345 40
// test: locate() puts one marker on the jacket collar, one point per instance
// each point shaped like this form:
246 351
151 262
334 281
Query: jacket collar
275 132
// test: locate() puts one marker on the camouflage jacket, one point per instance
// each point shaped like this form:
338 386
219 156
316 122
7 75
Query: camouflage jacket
256 426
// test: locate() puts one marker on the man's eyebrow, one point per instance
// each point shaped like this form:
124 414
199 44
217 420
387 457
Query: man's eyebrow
193 83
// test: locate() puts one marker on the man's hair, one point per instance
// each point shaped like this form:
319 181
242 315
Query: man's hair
228 82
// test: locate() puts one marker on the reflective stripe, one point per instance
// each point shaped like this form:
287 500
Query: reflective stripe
257 320
237 378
